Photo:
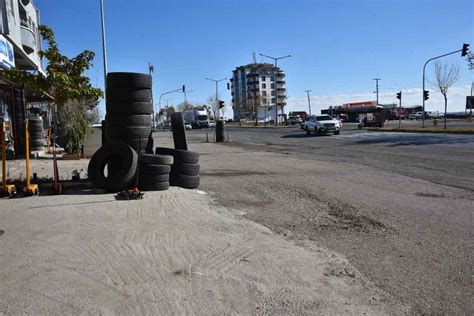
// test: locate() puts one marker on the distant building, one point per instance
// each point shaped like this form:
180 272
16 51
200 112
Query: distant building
19 21
256 90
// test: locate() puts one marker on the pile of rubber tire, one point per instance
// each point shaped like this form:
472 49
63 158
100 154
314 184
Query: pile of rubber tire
154 172
36 134
129 106
185 167
17 114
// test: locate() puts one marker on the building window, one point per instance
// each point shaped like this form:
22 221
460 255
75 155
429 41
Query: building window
263 78
264 93
272 78
273 86
273 93
273 100
264 86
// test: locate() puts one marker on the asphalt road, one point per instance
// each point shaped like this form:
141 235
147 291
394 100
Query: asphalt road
398 206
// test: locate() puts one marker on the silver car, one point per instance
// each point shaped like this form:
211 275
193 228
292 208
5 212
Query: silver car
322 124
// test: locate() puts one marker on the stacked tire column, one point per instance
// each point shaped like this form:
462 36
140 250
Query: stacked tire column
185 167
129 107
18 117
36 134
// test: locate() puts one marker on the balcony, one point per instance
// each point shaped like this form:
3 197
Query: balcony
28 39
281 82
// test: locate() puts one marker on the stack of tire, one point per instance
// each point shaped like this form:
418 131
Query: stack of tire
18 115
185 167
154 172
129 107
36 134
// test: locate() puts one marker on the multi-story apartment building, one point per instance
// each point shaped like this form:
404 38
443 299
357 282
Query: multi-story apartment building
19 20
257 91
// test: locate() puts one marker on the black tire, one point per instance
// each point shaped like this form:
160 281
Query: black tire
128 120
179 131
154 186
128 79
36 143
129 132
136 143
154 169
119 180
150 178
179 156
337 132
130 108
150 144
308 133
187 182
156 159
128 95
187 169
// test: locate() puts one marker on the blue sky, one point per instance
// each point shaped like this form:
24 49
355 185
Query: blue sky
338 47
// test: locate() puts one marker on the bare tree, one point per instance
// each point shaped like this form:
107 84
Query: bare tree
184 106
213 104
445 76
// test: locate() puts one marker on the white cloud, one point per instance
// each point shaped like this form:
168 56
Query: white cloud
412 96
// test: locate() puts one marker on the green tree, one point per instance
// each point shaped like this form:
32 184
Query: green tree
65 81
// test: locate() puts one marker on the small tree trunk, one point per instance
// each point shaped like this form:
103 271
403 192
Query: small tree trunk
445 109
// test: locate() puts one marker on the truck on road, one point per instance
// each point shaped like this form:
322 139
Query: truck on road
197 117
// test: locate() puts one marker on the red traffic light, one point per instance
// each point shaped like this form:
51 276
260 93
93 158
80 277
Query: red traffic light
465 49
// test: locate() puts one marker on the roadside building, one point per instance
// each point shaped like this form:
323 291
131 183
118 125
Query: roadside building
20 43
257 90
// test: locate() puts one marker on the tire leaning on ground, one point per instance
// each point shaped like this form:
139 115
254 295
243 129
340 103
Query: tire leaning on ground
128 79
179 156
122 177
154 169
179 131
187 169
187 182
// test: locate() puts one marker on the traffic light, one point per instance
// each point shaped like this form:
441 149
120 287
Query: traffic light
399 95
184 88
221 104
465 49
426 95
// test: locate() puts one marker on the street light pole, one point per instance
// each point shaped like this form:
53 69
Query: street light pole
151 69
424 68
217 95
377 89
161 95
276 86
309 102
104 48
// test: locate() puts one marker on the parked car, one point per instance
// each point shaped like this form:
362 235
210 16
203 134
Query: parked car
321 124
212 124
415 116
187 126
294 120
434 115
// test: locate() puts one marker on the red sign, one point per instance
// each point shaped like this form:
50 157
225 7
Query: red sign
359 104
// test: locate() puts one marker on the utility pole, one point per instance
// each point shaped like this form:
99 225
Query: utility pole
217 96
399 96
104 48
377 89
309 102
151 69
276 82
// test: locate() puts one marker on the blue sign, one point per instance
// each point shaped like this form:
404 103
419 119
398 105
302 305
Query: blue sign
7 57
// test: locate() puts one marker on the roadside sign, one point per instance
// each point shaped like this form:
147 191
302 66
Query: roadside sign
469 102
7 57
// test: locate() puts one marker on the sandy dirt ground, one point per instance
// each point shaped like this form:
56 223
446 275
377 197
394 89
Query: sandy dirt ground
175 252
